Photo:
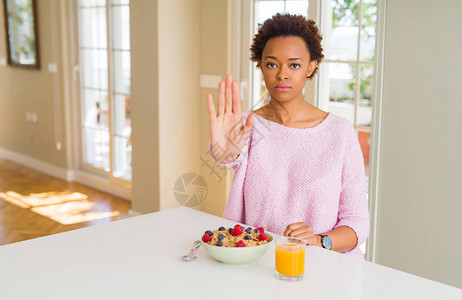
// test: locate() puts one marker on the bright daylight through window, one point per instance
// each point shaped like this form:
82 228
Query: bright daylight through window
104 44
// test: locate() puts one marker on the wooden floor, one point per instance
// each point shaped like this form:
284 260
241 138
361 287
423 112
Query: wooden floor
33 204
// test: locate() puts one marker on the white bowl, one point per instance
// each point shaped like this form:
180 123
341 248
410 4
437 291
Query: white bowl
238 255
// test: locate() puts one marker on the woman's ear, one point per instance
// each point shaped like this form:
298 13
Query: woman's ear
259 63
312 66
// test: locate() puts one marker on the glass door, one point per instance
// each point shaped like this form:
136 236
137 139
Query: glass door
346 75
105 81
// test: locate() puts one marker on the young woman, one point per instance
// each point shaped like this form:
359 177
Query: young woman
299 171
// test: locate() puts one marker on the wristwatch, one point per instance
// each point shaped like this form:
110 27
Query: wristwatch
326 242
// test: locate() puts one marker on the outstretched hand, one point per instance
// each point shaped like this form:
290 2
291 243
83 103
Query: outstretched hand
228 134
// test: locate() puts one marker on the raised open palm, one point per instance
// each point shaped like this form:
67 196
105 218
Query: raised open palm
228 134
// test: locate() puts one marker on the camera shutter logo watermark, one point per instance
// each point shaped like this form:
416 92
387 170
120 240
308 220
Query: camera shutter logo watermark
190 189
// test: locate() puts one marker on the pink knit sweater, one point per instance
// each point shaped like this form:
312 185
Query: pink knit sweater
314 175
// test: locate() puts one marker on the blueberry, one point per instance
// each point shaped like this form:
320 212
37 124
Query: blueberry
220 237
219 244
208 232
248 230
221 228
256 231
247 237
230 230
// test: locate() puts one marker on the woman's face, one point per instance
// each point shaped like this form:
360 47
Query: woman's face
285 65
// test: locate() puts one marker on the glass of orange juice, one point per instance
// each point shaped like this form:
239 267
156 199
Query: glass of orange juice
290 259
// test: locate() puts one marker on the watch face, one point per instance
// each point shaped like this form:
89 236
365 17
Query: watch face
326 242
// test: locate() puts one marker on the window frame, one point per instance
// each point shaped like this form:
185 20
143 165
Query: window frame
78 108
322 84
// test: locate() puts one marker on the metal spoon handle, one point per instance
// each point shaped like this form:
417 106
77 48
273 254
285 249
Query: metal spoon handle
196 245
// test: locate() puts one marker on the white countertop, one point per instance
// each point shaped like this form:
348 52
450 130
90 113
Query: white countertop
139 258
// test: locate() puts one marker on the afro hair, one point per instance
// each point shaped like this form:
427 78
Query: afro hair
288 25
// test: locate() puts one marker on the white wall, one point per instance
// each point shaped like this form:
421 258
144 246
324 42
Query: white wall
214 57
37 91
179 105
420 202
145 106
165 97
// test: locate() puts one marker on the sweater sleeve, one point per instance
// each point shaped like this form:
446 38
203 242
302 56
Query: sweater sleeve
353 211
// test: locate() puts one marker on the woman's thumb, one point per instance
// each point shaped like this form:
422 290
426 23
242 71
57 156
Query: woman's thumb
249 122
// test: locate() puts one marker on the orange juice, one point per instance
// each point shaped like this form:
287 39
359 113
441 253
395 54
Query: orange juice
290 259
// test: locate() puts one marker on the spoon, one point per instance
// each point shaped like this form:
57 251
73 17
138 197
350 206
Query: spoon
190 256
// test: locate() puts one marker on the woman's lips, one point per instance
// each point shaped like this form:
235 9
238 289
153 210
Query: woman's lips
282 88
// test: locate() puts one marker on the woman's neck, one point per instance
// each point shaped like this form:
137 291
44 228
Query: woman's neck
287 112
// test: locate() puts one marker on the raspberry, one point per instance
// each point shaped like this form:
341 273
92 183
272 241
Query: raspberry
240 244
206 238
261 229
262 237
237 225
236 231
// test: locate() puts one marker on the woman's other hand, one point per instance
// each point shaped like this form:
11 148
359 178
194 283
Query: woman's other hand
304 232
228 134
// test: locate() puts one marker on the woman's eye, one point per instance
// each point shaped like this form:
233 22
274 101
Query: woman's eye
270 65
295 66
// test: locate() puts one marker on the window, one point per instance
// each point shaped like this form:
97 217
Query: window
347 72
104 52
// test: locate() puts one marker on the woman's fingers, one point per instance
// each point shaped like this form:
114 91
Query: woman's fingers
301 230
211 107
228 94
228 97
221 98
307 238
236 99
292 227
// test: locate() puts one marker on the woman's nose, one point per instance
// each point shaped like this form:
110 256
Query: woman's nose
282 74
